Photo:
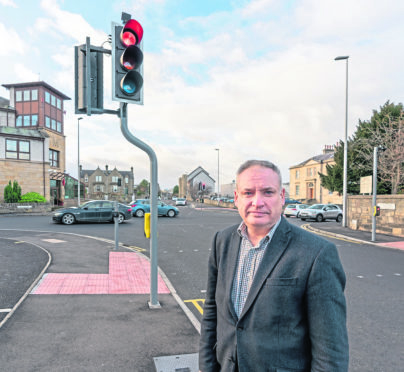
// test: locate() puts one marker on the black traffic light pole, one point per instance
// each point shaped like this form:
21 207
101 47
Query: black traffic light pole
153 206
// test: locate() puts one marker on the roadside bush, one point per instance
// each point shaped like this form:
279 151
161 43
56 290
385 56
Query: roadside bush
32 197
12 193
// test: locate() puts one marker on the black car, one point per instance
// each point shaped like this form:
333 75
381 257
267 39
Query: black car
92 211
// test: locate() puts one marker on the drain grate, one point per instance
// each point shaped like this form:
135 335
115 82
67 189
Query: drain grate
177 363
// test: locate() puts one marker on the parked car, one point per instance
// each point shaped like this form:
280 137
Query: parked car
292 201
321 212
142 206
294 210
92 211
181 201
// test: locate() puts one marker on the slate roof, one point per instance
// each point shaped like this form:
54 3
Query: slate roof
318 158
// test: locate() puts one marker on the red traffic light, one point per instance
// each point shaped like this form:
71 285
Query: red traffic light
132 33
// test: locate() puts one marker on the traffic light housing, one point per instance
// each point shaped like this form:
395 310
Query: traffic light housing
127 62
376 211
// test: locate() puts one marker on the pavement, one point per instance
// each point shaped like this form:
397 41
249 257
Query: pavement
86 306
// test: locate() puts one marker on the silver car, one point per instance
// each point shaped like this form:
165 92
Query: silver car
294 210
321 212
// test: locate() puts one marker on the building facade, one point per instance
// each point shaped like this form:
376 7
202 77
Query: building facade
305 182
108 184
32 143
190 183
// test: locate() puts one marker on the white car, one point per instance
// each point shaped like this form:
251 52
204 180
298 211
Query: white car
294 210
181 201
322 212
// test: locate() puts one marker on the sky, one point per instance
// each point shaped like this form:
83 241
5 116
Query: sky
255 79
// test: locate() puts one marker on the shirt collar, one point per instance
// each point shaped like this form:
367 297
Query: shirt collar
242 231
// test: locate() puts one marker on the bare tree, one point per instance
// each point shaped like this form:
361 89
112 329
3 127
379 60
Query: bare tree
391 161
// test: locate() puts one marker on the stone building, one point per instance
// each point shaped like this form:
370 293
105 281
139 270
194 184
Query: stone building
197 178
32 140
305 183
108 184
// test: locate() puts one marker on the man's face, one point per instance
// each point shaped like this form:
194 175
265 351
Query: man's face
258 197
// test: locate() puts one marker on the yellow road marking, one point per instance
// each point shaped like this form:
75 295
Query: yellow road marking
138 249
196 302
307 228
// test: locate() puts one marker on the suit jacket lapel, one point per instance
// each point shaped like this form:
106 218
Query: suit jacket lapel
272 255
231 267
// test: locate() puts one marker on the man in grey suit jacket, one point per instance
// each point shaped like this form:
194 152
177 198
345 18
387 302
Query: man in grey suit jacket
275 295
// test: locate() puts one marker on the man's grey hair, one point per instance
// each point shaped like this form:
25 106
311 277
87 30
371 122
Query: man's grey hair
260 163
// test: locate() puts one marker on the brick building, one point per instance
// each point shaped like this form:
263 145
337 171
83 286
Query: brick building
32 140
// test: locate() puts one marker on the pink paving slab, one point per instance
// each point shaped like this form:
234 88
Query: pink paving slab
398 245
129 273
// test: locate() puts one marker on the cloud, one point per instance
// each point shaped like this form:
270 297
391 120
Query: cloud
10 3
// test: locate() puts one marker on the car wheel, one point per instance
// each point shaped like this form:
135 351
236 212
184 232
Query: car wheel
298 215
121 218
68 219
171 213
319 218
339 218
139 213
287 216
303 219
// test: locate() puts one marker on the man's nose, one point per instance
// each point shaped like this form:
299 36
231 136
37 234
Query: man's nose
257 200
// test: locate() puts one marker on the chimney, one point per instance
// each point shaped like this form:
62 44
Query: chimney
106 168
327 149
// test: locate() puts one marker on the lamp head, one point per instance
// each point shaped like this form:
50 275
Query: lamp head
340 58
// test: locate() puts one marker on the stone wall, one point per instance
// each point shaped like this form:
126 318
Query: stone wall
31 176
7 208
390 221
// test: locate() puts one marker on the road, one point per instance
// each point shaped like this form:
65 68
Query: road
375 291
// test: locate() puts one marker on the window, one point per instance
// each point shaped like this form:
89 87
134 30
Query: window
297 189
58 103
53 100
98 179
47 121
26 95
47 97
126 180
53 124
114 188
16 149
54 158
85 179
59 126
34 95
34 120
18 95
27 121
114 179
18 122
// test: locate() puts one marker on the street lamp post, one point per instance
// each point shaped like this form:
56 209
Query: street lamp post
218 179
345 179
78 161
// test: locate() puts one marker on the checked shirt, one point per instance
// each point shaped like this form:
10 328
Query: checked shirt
248 261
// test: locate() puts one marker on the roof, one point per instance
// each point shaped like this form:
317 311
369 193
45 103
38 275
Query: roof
37 84
318 158
197 171
23 132
4 103
106 172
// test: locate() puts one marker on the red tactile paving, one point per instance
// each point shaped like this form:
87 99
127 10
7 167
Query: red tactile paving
398 245
129 273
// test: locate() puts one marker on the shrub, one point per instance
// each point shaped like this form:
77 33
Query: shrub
32 197
12 193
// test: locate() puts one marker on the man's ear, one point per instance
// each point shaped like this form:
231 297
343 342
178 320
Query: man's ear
283 196
235 197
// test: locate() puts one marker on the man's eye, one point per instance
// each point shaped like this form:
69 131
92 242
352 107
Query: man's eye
269 192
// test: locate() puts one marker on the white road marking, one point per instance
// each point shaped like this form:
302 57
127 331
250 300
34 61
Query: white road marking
5 310
53 241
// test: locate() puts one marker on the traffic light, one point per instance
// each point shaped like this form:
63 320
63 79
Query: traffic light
127 62
376 212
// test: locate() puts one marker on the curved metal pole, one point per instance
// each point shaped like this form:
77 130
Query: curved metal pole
153 205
